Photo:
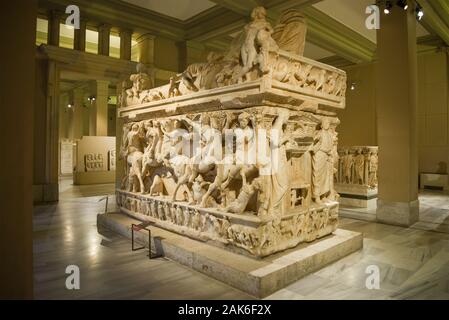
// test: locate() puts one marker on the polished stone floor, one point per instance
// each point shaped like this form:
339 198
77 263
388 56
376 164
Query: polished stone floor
433 212
413 264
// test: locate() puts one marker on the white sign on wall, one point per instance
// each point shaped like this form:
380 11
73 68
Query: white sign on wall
66 157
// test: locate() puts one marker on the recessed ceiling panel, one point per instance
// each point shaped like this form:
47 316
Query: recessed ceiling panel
314 52
352 13
179 9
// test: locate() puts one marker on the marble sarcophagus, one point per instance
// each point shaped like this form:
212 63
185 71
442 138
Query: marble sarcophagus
239 151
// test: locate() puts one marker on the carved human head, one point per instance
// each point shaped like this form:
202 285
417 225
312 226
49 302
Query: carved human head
325 124
215 123
258 13
176 124
244 119
290 126
205 119
135 127
257 184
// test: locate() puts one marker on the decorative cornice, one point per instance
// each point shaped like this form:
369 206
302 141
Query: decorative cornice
336 61
217 23
97 66
124 15
100 67
334 36
433 11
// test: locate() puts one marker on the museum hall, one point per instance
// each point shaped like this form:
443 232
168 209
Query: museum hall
224 150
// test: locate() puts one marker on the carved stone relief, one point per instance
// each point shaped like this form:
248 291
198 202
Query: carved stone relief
253 171
358 166
93 162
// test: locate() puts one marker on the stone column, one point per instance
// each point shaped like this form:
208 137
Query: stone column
145 45
396 100
104 32
17 60
92 118
79 42
54 20
78 108
50 190
99 111
64 124
125 44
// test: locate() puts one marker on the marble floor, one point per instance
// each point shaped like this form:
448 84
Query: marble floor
413 264
433 212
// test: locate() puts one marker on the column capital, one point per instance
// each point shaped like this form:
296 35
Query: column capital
104 27
55 14
102 87
125 31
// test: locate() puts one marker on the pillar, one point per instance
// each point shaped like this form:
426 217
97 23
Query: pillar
104 33
17 60
77 109
50 185
79 42
99 109
54 20
125 44
396 102
64 117
145 45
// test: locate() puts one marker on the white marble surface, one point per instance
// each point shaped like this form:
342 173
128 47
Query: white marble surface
433 212
414 264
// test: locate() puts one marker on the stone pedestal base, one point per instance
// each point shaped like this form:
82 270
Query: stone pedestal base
258 277
398 213
357 195
93 177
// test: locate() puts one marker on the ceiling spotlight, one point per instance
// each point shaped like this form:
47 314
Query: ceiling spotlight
388 7
69 106
352 86
403 4
419 12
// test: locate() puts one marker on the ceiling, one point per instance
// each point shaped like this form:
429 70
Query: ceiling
348 13
336 35
352 14
178 9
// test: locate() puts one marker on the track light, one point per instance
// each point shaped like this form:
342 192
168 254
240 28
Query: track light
403 4
419 12
388 7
